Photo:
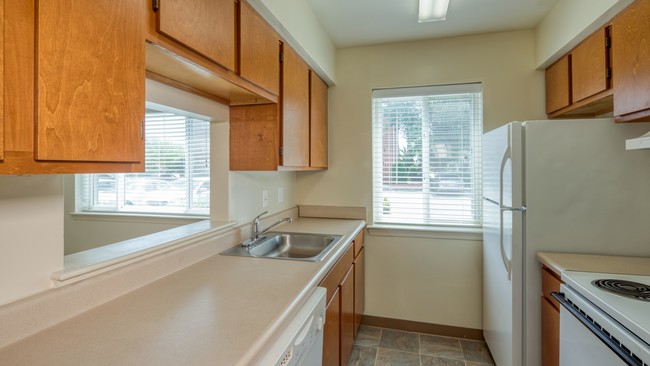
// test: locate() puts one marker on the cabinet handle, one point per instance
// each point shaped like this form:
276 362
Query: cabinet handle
156 5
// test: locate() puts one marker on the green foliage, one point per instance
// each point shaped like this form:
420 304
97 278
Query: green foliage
165 157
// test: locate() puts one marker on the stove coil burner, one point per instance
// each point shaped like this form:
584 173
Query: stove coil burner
629 289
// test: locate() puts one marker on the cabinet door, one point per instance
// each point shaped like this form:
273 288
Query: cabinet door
557 85
359 289
295 110
205 26
254 137
631 60
318 122
332 331
90 76
550 334
589 67
259 59
347 315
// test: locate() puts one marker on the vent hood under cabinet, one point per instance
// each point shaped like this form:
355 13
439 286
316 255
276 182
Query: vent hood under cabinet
641 142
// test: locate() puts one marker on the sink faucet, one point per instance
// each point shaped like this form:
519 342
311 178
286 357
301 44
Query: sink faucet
255 229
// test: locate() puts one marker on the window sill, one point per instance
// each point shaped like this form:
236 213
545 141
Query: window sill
414 231
137 217
88 263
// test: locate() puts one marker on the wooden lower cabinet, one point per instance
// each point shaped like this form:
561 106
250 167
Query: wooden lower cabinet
359 289
550 319
332 332
347 315
550 334
345 290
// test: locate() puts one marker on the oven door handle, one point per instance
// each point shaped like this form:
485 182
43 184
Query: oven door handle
613 345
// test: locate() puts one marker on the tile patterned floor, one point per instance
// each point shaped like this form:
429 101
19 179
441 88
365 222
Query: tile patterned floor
383 347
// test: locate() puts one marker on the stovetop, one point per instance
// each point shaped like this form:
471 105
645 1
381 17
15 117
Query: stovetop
632 313
631 289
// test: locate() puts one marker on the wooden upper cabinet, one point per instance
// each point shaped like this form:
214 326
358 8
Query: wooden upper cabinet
318 121
579 84
558 87
259 59
90 77
295 110
254 139
205 26
589 66
631 59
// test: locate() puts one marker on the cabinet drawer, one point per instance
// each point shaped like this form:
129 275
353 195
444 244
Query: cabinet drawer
550 283
336 274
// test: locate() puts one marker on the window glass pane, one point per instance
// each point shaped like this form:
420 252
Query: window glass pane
177 172
426 155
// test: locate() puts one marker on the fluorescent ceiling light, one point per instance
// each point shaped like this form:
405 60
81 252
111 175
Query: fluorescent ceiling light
432 10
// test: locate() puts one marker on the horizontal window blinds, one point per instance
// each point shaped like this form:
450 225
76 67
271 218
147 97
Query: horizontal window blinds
177 172
426 155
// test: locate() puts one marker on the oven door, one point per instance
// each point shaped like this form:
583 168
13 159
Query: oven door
590 337
579 346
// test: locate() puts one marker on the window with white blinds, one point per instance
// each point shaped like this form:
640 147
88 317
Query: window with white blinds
176 178
426 155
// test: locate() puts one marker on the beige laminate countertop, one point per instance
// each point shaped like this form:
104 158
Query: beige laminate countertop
223 310
561 262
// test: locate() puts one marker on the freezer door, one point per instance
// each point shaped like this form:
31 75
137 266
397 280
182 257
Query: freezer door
502 245
494 145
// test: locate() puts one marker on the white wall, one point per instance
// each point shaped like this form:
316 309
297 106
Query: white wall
568 23
403 274
31 234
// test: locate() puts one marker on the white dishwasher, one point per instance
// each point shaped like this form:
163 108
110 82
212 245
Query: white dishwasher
301 343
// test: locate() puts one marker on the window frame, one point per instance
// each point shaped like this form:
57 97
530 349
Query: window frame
83 206
378 156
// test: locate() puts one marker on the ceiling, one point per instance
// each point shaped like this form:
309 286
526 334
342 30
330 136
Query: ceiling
352 23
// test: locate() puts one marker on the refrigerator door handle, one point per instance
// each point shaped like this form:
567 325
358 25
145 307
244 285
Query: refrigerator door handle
507 262
492 201
519 209
506 208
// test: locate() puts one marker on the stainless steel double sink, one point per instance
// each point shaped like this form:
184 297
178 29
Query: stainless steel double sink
292 246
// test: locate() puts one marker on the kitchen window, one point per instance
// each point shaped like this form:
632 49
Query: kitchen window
426 155
176 180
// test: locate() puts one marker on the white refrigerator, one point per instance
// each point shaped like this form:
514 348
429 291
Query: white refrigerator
558 186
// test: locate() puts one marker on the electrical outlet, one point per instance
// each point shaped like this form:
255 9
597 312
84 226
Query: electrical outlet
265 198
280 195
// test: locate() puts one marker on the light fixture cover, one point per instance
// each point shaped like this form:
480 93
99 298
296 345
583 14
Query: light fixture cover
432 10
